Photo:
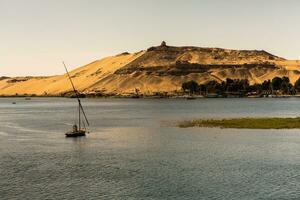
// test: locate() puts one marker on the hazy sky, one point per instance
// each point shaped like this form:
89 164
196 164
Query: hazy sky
36 35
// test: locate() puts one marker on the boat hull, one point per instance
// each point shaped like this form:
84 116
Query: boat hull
75 134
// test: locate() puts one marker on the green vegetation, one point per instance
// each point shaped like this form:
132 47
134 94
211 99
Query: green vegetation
245 123
237 87
190 86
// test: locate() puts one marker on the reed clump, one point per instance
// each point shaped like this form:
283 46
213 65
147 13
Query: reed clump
245 123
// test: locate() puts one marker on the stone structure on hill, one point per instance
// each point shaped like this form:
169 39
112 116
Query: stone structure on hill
163 44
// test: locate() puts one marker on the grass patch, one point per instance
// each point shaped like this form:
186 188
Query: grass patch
246 123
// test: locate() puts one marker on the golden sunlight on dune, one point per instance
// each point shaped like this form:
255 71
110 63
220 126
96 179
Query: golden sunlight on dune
159 69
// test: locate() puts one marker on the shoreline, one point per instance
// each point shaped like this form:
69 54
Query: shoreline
188 97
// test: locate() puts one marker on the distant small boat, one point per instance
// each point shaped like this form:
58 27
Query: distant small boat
77 131
14 103
27 98
190 98
135 96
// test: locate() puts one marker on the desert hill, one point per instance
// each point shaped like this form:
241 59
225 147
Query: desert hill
158 69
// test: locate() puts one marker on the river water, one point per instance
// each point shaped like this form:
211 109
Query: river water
135 150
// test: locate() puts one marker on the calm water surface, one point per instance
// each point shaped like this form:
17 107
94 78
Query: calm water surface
134 150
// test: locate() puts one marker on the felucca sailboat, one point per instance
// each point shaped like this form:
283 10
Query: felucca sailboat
79 130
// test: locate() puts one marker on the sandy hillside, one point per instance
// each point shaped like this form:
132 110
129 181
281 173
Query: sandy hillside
158 69
83 77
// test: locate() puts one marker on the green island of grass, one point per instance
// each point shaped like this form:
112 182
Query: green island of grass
245 123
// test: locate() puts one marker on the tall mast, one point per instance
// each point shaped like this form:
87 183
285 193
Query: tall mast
80 108
79 117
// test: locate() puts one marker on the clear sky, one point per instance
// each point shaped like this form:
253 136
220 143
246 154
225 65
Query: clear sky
36 35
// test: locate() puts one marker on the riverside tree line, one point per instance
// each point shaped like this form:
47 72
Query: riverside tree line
241 87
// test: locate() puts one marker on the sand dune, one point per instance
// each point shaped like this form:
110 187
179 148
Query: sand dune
158 69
